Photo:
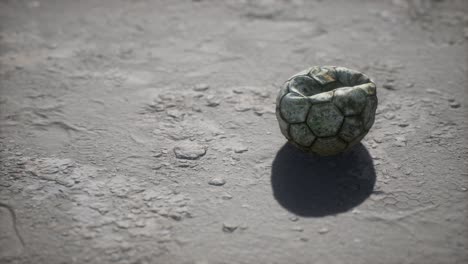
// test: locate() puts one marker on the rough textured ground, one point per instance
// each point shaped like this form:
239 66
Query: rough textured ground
144 132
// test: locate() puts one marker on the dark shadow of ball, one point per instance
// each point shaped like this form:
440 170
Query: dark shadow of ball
312 186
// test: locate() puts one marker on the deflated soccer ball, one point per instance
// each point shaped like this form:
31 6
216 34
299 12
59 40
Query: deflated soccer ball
326 110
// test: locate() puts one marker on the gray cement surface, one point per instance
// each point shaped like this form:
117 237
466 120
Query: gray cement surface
145 132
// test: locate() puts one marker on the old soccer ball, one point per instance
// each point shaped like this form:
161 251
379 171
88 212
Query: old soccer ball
326 110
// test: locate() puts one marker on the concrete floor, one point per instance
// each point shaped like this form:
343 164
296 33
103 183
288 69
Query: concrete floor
97 96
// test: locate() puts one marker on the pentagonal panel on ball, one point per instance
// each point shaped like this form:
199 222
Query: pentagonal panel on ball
301 134
351 129
294 108
350 100
324 119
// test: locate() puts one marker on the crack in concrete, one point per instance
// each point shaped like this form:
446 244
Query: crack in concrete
15 227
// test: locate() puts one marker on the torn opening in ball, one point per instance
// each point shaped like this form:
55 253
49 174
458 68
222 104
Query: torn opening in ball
326 110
